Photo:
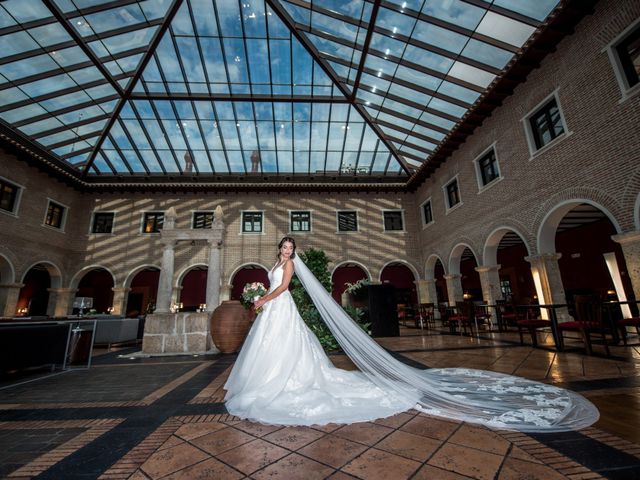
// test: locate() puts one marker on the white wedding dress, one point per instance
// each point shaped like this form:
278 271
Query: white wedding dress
282 376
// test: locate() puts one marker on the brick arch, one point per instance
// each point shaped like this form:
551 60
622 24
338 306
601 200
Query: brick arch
490 250
631 202
359 264
239 266
7 270
77 277
132 274
430 266
549 225
55 273
409 265
596 197
179 276
456 255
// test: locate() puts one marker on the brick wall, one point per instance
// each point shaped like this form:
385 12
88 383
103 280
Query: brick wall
597 161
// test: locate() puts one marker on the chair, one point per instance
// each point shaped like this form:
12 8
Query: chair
482 315
530 321
461 317
588 320
508 314
623 323
425 315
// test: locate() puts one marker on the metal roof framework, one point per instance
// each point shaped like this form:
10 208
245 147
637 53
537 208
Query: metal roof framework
262 94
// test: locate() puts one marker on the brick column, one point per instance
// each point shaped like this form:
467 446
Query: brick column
9 294
61 301
454 288
546 277
630 243
490 282
119 303
165 283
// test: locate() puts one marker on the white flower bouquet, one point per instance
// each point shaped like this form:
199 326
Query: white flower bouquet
251 292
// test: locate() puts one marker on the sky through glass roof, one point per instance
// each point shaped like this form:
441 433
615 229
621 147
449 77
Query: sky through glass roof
197 88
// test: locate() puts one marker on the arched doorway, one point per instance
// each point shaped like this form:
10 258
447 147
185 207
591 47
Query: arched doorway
98 285
247 274
34 296
463 262
347 272
441 282
506 248
402 278
583 238
143 292
193 293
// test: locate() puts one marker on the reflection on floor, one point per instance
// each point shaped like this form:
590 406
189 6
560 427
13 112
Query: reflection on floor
155 418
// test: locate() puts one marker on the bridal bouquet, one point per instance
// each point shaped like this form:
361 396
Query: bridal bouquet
251 292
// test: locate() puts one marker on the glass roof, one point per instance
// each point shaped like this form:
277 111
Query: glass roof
203 87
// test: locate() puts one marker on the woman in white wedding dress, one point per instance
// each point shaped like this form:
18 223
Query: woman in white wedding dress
282 375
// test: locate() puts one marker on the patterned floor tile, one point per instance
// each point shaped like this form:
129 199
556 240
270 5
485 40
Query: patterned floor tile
294 467
332 450
253 456
170 460
376 464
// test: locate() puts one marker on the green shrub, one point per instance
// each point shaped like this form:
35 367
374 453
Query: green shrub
318 263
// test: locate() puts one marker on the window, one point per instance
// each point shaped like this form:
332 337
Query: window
629 53
427 214
624 53
393 221
347 221
202 219
546 124
453 195
488 167
153 222
300 221
102 222
8 196
251 222
55 215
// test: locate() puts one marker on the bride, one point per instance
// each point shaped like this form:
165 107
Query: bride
282 375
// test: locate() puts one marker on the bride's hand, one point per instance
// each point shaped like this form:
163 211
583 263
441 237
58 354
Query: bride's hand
259 302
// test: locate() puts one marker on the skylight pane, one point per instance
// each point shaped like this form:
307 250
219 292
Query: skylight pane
505 29
538 9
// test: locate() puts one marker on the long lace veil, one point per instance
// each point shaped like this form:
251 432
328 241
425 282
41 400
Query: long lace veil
477 396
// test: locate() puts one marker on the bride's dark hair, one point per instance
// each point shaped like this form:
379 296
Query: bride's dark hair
291 241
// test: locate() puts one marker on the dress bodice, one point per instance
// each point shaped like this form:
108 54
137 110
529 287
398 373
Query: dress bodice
275 277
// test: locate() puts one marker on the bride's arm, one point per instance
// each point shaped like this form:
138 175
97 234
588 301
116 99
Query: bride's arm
286 278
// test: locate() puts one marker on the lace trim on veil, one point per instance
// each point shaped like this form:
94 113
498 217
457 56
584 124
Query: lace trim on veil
476 396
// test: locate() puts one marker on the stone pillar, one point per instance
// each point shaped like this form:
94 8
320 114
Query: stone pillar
630 243
454 288
165 283
61 301
213 276
119 303
427 292
176 293
9 295
546 277
490 281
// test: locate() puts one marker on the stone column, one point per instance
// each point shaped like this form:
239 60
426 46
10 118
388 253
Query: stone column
165 283
630 243
9 295
119 303
454 288
427 292
548 282
61 301
176 294
213 275
490 281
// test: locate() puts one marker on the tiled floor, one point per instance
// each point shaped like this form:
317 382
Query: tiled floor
165 419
